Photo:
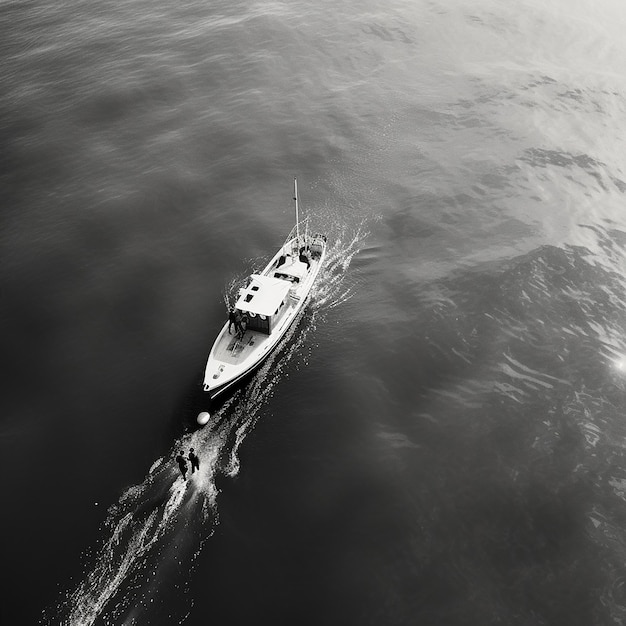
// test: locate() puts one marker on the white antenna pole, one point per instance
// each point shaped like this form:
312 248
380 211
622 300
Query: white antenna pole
295 191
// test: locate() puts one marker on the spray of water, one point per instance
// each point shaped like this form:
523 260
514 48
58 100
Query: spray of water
160 525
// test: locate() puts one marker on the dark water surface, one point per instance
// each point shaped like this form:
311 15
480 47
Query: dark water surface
441 438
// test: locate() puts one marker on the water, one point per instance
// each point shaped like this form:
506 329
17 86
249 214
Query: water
440 440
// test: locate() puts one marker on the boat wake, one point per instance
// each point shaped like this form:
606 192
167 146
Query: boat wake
154 533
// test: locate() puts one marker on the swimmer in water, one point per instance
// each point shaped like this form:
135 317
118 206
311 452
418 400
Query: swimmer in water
194 460
182 464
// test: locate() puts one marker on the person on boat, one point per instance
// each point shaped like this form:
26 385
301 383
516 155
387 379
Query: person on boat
194 460
237 323
304 257
281 260
182 464
243 325
231 319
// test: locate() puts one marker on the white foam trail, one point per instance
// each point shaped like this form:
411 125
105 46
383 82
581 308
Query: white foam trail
141 527
130 541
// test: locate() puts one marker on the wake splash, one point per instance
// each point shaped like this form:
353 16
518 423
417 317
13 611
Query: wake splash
156 530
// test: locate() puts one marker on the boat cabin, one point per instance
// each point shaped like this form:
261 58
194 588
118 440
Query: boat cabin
263 300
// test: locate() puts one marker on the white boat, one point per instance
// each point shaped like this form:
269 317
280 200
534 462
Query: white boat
266 307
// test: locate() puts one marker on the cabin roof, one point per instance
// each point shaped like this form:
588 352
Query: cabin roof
263 295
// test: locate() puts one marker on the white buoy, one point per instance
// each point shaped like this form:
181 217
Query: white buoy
203 418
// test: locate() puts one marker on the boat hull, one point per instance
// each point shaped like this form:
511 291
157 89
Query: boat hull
232 359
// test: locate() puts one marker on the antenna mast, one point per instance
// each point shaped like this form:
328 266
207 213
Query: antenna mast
295 192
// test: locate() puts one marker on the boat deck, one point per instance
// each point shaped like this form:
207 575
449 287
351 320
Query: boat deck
232 350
